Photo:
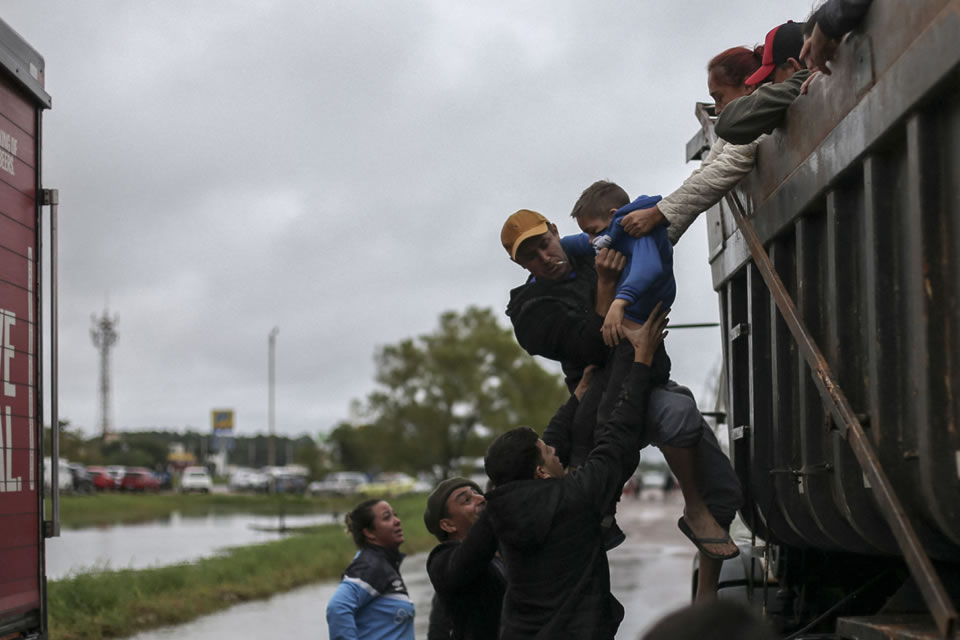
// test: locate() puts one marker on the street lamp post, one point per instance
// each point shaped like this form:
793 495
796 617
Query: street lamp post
271 444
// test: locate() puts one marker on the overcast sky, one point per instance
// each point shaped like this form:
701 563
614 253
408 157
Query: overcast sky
341 170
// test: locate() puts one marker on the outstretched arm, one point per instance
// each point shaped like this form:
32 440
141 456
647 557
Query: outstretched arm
455 567
724 167
609 264
601 474
559 431
748 117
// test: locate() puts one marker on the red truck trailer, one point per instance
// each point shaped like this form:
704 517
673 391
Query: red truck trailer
22 526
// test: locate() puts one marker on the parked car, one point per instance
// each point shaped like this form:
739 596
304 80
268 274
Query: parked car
139 479
341 483
116 471
388 484
82 482
289 483
196 479
64 477
102 480
249 480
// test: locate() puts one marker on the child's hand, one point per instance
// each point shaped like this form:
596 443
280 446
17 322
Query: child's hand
612 329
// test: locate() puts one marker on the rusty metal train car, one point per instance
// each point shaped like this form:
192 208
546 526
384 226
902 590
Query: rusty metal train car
837 266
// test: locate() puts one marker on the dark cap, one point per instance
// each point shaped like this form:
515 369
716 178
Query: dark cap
782 43
437 502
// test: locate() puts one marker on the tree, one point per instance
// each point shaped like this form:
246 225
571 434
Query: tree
447 392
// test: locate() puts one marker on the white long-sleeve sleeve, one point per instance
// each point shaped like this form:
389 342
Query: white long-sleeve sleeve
725 165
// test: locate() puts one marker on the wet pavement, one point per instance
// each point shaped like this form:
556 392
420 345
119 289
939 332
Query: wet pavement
650 575
162 542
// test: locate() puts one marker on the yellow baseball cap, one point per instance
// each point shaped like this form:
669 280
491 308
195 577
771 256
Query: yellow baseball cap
522 225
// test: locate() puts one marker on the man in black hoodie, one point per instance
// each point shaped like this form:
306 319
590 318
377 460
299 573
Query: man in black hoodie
548 521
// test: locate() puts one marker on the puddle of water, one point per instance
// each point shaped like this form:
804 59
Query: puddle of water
158 543
649 574
290 614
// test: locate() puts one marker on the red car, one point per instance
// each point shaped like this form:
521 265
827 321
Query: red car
101 479
139 479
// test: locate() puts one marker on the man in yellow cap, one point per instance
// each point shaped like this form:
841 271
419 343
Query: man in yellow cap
558 314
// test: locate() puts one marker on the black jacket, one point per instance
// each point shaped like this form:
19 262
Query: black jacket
469 584
558 321
551 540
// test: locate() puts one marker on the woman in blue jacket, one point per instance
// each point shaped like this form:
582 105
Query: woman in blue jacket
372 601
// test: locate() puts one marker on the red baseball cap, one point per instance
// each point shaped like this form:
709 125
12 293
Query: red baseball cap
782 42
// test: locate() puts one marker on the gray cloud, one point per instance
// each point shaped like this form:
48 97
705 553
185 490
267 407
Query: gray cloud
341 170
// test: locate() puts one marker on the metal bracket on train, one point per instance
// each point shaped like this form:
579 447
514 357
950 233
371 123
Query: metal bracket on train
806 470
739 330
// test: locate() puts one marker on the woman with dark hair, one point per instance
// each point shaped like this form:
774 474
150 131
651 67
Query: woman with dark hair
372 601
725 165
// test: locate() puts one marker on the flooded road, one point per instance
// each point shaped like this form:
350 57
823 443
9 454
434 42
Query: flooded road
650 575
162 542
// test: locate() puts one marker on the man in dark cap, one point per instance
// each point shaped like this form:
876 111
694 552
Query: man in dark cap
467 577
748 117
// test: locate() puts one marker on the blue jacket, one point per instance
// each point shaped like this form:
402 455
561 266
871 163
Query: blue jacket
647 277
371 602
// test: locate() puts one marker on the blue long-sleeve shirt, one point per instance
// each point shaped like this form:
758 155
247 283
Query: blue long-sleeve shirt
371 602
647 277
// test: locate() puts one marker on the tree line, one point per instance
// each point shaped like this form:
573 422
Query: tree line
439 397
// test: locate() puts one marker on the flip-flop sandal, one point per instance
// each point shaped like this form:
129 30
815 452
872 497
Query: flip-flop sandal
699 542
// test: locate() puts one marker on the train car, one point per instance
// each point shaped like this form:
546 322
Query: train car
837 264
22 527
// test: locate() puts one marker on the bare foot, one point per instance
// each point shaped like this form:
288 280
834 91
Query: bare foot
703 526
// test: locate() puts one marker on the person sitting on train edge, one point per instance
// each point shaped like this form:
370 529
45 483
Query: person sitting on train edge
831 22
556 314
746 118
725 164
547 521
466 575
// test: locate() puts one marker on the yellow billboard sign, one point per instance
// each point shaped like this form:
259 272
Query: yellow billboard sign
222 419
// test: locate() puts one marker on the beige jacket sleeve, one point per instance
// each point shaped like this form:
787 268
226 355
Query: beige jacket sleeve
725 165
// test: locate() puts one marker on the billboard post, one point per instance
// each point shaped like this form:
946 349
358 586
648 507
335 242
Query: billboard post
222 422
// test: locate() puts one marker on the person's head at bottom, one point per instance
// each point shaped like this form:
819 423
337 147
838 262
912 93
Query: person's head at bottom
520 454
714 620
375 523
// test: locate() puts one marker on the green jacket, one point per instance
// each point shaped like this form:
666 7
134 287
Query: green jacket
746 118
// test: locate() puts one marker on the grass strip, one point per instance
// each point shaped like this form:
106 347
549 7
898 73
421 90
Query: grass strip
113 604
117 508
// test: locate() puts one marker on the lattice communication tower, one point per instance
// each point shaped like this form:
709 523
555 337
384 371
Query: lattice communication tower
104 336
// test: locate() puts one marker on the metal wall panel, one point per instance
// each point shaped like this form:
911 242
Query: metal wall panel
856 201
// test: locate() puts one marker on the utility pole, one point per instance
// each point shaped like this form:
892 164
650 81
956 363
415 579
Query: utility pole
104 336
271 349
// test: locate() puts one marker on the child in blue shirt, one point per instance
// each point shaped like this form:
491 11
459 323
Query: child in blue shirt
647 277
